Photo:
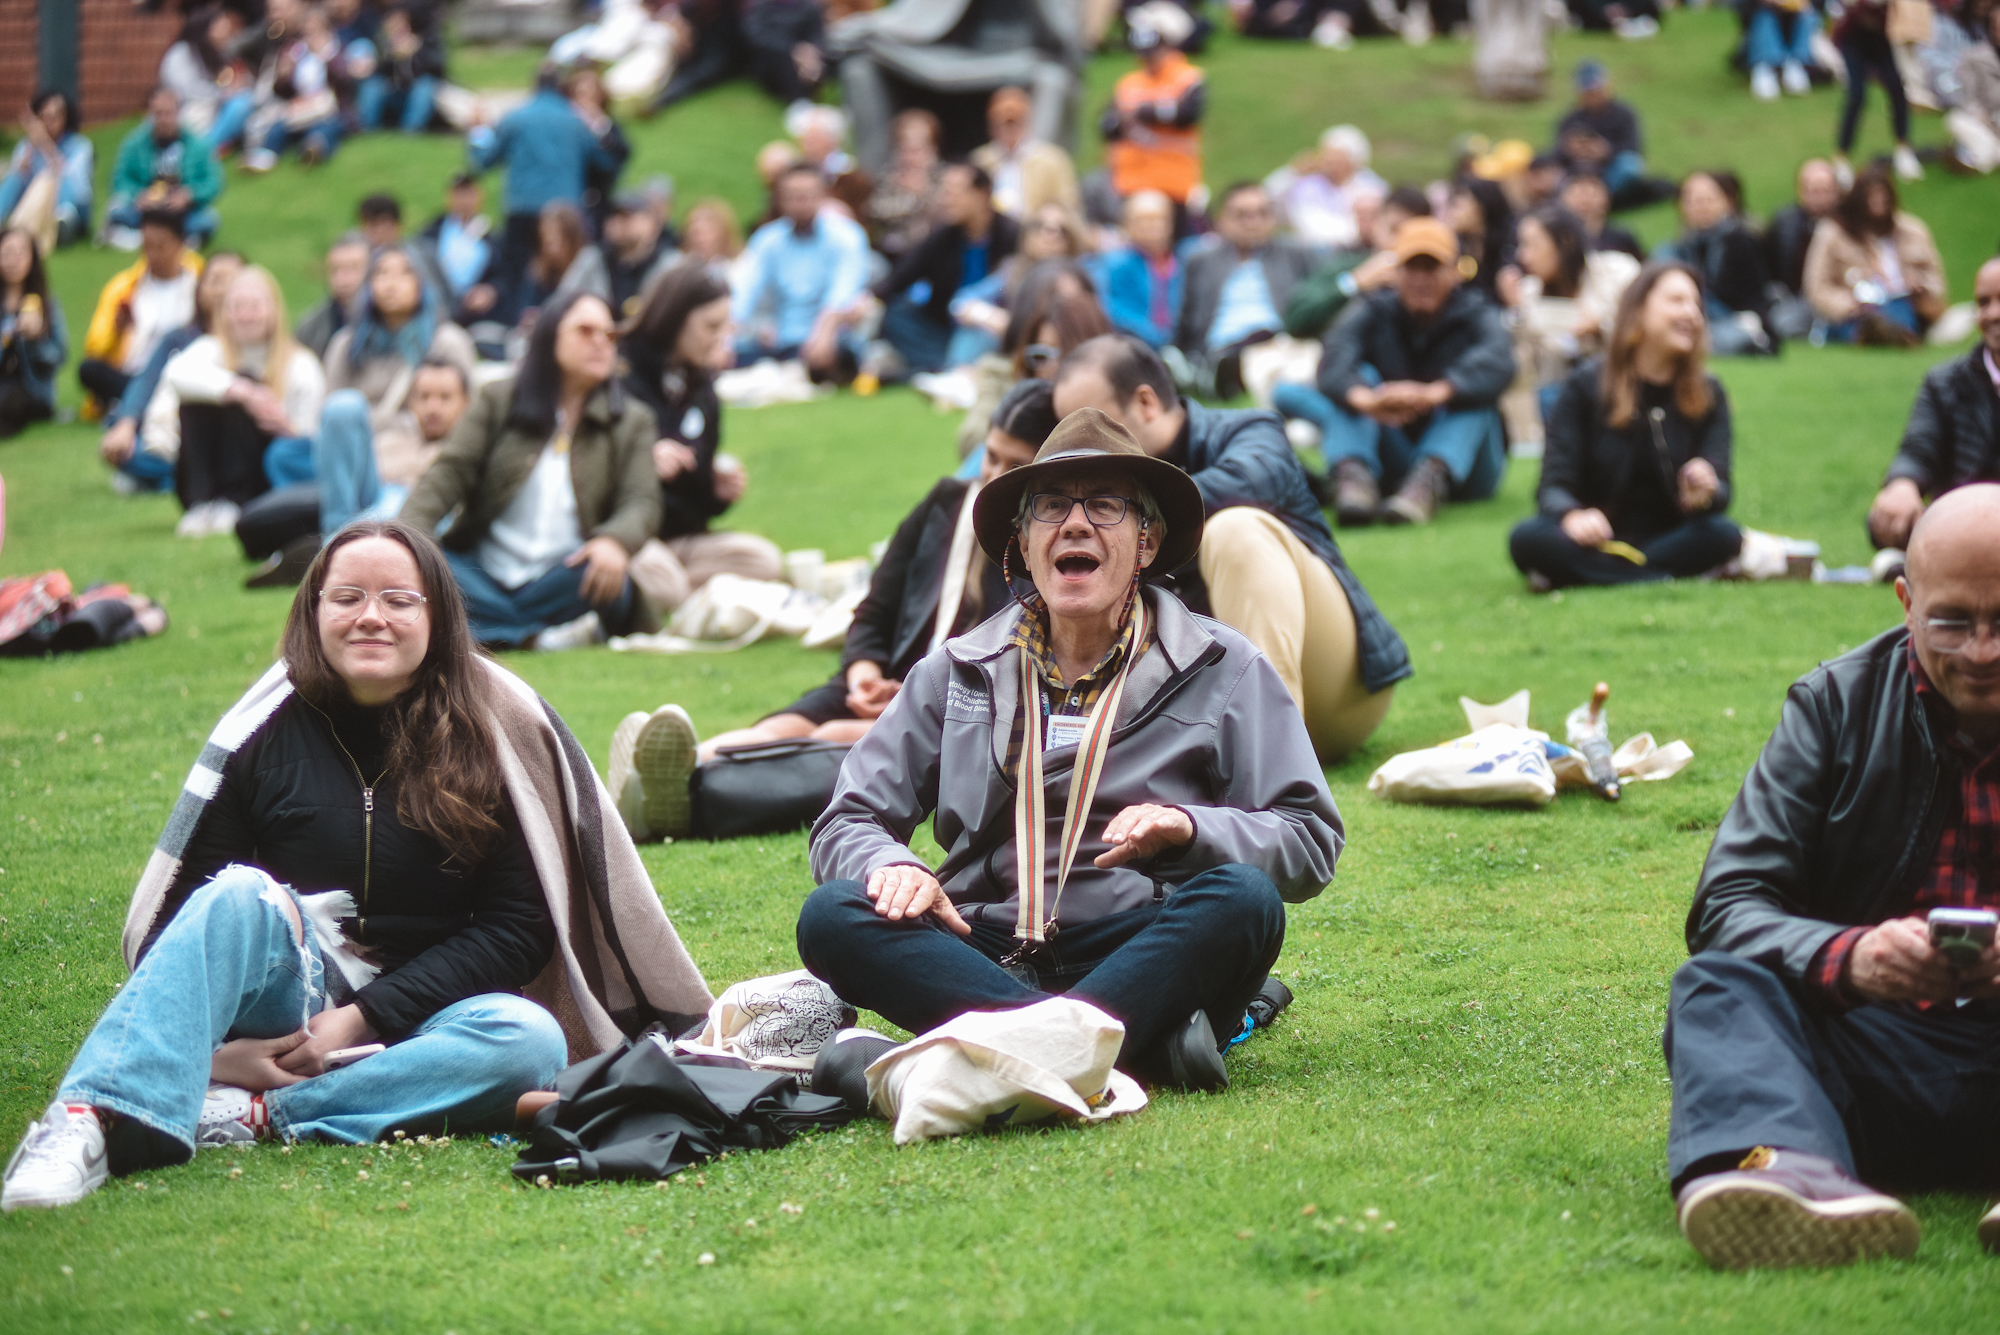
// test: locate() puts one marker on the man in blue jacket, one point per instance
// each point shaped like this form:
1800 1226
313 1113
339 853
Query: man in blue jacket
1268 565
547 149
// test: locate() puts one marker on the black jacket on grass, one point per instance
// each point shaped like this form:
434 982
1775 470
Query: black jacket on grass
1838 820
1631 473
1465 343
1953 436
290 804
892 627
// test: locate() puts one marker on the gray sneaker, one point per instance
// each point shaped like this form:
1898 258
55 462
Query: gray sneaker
652 759
1780 1208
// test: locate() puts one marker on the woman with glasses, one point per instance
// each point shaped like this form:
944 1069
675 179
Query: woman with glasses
552 476
355 888
1635 473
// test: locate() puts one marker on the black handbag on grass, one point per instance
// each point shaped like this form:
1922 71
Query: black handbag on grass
765 787
640 1112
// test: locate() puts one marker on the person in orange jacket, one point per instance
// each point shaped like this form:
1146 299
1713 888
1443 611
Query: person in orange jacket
1152 128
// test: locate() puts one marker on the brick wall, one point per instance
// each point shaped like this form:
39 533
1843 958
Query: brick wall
119 56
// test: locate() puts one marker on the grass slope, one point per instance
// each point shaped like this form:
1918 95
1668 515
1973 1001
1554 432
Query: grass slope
1474 1052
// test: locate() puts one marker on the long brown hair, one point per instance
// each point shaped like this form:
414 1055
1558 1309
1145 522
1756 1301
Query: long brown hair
1619 385
441 755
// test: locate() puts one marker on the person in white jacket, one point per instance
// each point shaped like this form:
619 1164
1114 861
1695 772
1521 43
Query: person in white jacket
239 389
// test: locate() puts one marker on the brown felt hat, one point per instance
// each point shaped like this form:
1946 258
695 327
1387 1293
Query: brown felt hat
1088 439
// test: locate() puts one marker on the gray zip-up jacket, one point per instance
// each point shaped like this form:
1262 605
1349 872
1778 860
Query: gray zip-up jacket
1205 725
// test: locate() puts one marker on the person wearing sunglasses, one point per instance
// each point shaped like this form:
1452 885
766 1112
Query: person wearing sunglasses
1125 793
1817 1038
551 477
331 939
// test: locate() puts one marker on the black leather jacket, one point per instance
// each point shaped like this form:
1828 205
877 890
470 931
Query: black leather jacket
1838 819
290 804
1953 436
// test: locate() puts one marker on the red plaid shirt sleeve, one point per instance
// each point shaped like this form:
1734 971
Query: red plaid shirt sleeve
1829 970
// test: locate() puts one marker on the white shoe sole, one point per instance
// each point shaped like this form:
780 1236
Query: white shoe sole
664 755
623 779
1745 1224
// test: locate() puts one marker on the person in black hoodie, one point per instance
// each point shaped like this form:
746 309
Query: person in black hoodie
357 875
971 242
673 349
1719 247
1635 474
932 562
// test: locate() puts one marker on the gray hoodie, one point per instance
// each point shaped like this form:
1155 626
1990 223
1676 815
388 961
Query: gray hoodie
1205 725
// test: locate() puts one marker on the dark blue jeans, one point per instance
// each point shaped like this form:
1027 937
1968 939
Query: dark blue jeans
1901 1098
1207 946
503 616
914 332
1539 545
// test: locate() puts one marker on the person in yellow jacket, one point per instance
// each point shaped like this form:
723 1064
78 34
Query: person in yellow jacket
137 308
1152 128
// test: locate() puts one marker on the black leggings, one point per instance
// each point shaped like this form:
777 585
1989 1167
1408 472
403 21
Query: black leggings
1870 53
102 379
19 407
1539 546
222 455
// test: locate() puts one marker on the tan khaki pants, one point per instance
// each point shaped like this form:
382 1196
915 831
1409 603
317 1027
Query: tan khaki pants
667 572
1267 584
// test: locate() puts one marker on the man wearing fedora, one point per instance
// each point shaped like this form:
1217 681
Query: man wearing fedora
1125 792
1266 564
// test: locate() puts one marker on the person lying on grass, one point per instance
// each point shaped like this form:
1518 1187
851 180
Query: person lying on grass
350 864
1636 472
1182 805
1817 1039
931 562
1953 436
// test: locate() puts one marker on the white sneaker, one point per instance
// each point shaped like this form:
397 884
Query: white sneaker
123 483
259 160
1333 33
585 630
1764 83
1797 82
229 1116
1639 29
194 524
222 517
1907 166
652 759
60 1161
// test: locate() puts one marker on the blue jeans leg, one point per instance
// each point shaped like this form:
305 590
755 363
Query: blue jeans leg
1804 27
514 616
202 224
460 1070
1471 444
370 101
910 329
230 118
1763 45
417 104
343 461
1623 170
288 461
1306 403
227 966
149 468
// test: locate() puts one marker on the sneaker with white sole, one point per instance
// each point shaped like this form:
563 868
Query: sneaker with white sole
655 757
1797 82
194 523
1907 166
1764 83
59 1162
586 630
1781 1208
231 1116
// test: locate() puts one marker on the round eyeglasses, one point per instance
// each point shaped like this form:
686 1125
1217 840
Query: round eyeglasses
400 607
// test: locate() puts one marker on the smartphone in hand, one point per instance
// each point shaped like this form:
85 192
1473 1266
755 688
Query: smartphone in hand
1962 935
340 1057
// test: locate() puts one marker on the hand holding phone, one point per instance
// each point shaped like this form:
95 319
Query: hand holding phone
1963 936
340 1057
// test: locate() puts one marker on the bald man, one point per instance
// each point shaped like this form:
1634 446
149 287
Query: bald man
1954 432
1816 1038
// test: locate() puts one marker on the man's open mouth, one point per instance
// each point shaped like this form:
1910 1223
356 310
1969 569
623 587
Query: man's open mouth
1076 565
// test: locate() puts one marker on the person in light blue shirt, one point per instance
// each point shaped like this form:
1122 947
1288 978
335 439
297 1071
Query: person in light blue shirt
803 291
548 150
52 142
457 238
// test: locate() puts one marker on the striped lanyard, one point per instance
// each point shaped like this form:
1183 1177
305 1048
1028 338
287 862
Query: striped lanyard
1032 924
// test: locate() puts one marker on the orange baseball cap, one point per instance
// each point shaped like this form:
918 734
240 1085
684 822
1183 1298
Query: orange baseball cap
1426 236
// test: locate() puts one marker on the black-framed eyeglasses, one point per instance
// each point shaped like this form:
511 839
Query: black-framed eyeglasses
1052 507
1954 635
400 607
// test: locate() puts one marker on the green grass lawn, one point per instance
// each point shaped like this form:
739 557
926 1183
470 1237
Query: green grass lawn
1475 1048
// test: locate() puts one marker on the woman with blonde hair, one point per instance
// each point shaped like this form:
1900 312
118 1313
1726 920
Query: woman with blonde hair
1635 477
712 234
239 389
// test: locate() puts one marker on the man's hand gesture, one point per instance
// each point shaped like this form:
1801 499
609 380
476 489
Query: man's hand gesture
904 891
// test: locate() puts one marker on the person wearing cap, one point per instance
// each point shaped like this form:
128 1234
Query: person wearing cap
930 565
1413 375
1152 129
637 249
1125 792
1027 172
1600 134
1267 565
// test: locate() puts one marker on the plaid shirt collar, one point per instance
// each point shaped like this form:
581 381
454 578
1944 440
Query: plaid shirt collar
1943 714
1031 636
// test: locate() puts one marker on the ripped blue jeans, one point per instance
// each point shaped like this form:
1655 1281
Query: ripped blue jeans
229 966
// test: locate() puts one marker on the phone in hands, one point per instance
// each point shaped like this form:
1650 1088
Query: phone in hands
340 1057
1962 935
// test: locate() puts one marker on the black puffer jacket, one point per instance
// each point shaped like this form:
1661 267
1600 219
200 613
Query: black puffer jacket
1465 343
291 805
892 626
1838 819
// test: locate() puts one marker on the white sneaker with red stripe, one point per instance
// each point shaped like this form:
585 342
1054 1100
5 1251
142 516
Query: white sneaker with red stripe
231 1116
59 1162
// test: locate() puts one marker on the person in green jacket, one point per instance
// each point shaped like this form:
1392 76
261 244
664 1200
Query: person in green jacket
1324 293
160 165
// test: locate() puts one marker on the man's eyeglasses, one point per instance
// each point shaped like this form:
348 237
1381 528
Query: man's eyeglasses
400 607
1954 635
1052 507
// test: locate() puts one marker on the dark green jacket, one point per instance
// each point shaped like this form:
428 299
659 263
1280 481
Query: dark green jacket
487 461
1323 294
